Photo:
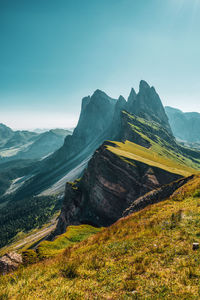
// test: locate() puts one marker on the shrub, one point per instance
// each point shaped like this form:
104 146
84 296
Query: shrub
196 194
70 270
29 257
175 219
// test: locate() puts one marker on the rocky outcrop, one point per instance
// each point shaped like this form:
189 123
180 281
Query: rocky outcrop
147 104
10 262
156 196
108 187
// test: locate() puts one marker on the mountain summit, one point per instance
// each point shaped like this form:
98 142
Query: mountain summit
147 104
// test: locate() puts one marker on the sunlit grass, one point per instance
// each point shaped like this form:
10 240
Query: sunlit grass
149 156
147 255
73 235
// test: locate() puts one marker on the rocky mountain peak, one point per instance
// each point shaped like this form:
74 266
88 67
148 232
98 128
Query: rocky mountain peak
132 95
85 102
147 104
98 94
131 98
143 86
121 101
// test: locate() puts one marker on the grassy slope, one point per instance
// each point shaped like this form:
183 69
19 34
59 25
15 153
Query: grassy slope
74 234
147 255
163 153
151 157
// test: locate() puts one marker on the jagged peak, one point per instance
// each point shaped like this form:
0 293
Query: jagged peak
132 95
100 93
85 102
121 99
144 85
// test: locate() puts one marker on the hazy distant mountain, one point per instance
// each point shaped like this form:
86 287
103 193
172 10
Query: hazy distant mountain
41 130
29 145
10 138
5 133
185 126
45 144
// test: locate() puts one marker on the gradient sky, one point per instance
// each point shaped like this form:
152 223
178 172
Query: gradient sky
54 52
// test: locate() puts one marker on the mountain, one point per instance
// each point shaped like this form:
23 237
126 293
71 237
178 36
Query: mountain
20 138
139 183
10 138
46 143
185 126
5 133
30 145
92 130
121 172
99 120
143 151
147 104
45 174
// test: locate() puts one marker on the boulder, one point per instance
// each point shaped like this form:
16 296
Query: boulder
10 262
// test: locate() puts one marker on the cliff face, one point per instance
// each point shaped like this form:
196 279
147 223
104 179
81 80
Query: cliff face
156 195
115 180
147 104
93 129
107 188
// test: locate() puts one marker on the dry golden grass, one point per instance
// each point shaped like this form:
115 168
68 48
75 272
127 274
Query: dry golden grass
147 255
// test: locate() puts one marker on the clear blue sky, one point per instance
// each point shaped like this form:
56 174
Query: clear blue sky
54 52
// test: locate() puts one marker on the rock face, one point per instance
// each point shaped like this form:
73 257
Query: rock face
147 104
92 130
155 196
185 126
10 262
107 188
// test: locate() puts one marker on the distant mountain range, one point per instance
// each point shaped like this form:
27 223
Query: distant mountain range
185 126
29 145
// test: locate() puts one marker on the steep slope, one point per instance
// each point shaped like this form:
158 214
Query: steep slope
185 126
93 128
147 255
121 172
10 171
5 134
147 104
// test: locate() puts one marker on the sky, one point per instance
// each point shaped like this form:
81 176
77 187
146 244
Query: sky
55 52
